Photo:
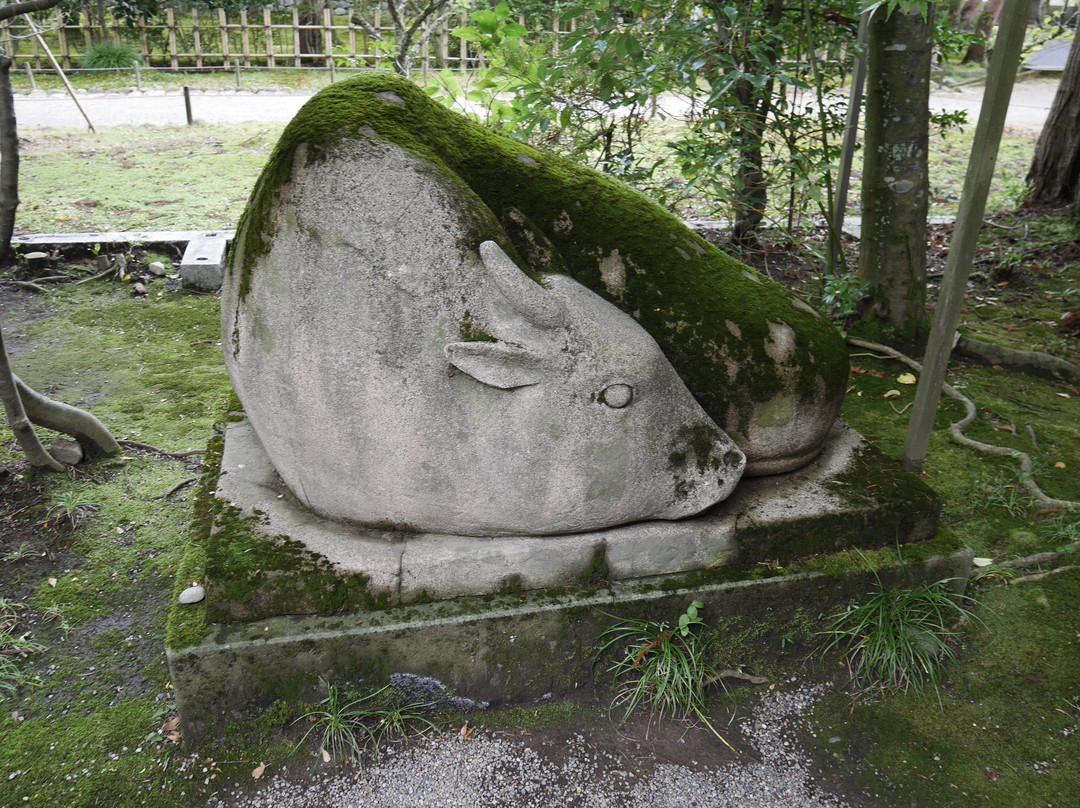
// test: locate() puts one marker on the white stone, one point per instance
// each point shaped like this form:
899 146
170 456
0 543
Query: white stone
193 594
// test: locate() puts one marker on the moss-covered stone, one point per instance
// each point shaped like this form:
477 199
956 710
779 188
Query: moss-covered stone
739 341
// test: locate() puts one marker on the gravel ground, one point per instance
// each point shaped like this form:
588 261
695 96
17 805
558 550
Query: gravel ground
489 771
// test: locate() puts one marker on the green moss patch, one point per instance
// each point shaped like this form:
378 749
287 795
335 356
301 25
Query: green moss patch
881 505
1005 729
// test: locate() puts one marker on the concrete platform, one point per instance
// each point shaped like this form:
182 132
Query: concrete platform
514 619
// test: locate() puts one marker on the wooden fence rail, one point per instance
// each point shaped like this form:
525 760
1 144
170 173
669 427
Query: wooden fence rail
211 38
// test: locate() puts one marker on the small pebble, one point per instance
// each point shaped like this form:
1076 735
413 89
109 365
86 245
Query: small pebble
193 594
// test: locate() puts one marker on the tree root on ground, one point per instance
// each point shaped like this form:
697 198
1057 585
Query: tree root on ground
956 430
1033 363
146 447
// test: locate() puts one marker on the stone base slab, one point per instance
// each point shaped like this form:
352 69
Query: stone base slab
499 650
848 497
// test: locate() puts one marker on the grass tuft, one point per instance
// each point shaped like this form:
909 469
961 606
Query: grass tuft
897 639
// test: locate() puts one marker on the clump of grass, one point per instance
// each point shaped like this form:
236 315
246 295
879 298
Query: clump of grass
108 56
660 667
13 647
1005 490
72 507
350 729
897 639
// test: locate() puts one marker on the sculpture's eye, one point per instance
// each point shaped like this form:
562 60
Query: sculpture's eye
617 396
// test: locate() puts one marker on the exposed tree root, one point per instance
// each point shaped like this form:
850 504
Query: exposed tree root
956 430
1033 363
146 447
79 424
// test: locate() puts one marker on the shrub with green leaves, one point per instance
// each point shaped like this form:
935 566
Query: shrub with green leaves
107 56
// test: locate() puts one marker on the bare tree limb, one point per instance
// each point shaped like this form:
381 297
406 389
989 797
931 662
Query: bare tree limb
16 414
72 421
27 7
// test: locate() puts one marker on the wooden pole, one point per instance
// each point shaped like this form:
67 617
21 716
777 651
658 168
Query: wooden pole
847 151
999 83
59 71
187 104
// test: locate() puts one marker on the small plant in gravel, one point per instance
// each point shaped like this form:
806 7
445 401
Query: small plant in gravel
897 639
660 667
350 728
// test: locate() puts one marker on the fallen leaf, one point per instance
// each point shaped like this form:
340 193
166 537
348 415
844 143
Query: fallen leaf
892 394
325 756
171 725
1064 395
174 737
982 562
1059 465
257 772
52 583
906 378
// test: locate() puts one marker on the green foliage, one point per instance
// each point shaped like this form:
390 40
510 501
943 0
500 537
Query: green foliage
897 639
350 728
107 56
842 294
661 668
1004 490
747 71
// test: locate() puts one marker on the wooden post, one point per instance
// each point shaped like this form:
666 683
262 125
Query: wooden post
61 36
328 41
296 36
463 51
144 44
187 104
1001 74
196 36
268 24
30 76
170 20
86 29
138 75
847 150
223 26
245 41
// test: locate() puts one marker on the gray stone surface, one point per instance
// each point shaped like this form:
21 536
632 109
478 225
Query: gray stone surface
203 264
356 359
508 649
407 566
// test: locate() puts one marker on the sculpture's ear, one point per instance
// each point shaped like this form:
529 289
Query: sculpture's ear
496 364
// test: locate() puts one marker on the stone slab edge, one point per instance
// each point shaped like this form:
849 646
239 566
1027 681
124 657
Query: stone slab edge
501 653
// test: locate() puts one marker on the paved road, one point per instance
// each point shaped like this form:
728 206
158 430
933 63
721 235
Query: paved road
160 108
1031 100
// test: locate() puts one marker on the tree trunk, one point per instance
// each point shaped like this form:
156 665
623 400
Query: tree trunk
9 158
892 249
1055 171
755 104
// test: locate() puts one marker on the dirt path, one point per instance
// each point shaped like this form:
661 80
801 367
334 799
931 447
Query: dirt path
1031 101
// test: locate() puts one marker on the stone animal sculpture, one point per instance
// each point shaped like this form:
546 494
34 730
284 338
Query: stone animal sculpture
397 376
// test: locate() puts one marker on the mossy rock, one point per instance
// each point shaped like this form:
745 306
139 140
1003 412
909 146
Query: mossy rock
766 367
